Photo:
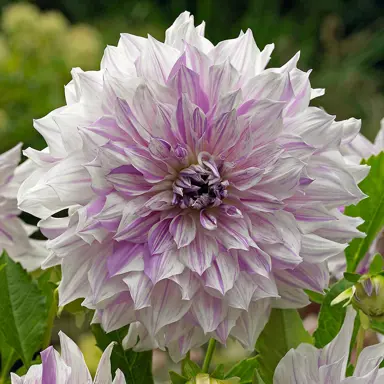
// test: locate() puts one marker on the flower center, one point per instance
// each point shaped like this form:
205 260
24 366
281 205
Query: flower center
199 185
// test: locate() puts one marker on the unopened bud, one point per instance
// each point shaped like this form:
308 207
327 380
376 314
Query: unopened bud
204 378
368 296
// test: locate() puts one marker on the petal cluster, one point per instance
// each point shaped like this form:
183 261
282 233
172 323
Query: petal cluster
69 367
200 188
306 364
14 233
354 151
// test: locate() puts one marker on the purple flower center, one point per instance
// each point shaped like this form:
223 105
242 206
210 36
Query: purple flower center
199 185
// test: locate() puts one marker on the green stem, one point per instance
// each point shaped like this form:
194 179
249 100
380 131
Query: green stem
208 355
51 319
7 366
360 342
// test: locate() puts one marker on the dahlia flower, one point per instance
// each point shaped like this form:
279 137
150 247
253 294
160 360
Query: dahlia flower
69 368
14 233
200 187
306 364
354 151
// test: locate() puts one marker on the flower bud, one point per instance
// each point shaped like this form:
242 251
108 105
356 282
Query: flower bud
369 296
204 378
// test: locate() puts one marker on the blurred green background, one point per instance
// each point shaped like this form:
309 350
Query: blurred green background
342 41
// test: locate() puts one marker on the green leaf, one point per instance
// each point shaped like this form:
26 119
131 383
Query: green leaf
176 378
377 264
137 366
377 326
23 310
331 317
370 209
8 358
257 379
283 331
190 369
315 297
219 372
244 369
352 277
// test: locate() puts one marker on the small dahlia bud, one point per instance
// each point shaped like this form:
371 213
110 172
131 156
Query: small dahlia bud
369 296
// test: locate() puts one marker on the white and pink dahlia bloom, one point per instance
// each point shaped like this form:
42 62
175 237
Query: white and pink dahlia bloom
307 364
14 233
69 368
201 188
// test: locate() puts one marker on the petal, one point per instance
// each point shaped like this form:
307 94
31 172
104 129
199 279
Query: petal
128 180
208 311
338 348
119 378
118 314
222 274
103 372
250 323
306 276
166 307
74 359
183 230
135 228
246 178
160 238
241 294
156 60
163 266
152 169
198 255
55 371
140 288
188 282
369 359
126 257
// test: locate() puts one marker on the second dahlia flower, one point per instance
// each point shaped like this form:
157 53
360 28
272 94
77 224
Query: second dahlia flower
14 233
69 368
306 364
200 188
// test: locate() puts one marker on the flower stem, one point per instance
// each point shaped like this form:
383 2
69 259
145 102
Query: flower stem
51 319
208 355
360 342
7 366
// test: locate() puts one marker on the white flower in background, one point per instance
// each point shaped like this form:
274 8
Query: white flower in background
200 187
356 150
14 233
308 365
69 368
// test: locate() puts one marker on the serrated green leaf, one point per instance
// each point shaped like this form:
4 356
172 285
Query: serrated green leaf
244 370
370 209
352 277
331 317
136 366
283 331
23 310
257 379
315 297
190 369
219 372
377 264
176 378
